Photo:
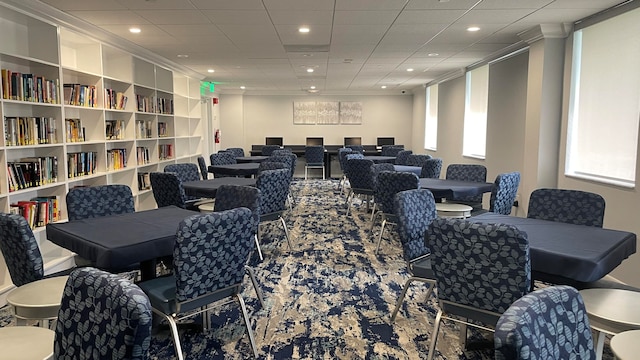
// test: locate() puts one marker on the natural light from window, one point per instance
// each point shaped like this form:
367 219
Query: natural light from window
431 118
475 112
604 106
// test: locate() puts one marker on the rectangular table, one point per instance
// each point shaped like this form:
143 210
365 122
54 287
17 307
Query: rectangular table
449 189
565 252
118 241
208 188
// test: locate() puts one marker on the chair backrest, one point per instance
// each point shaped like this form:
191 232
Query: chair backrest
360 173
186 172
503 194
271 165
391 150
314 154
204 170
233 196
483 266
102 316
467 172
567 206
417 159
415 209
167 189
236 151
20 250
97 201
274 188
281 152
388 184
551 321
342 156
431 169
222 158
289 159
268 149
378 168
357 148
401 157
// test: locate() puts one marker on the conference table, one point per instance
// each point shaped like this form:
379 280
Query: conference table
450 189
118 241
209 188
242 169
565 253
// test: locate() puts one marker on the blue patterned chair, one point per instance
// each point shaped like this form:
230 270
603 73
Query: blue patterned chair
417 159
97 201
342 158
35 297
388 184
236 151
222 158
391 150
102 316
503 194
480 269
209 258
416 209
467 172
204 171
314 157
274 189
167 191
186 172
431 168
233 196
361 180
290 160
378 168
267 150
281 152
567 206
357 148
401 157
271 165
550 323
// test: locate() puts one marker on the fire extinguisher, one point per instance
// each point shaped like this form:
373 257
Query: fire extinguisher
217 136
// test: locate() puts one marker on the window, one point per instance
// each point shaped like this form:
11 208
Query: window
602 134
475 112
431 118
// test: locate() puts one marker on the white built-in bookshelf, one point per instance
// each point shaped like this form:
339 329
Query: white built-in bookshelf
91 142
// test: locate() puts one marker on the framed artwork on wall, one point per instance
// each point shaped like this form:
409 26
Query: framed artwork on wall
305 112
351 112
328 112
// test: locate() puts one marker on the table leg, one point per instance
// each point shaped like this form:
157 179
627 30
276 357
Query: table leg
600 345
147 270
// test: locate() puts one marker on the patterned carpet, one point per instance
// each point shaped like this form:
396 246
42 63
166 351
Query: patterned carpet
328 298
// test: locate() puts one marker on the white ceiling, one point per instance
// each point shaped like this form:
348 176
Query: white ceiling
353 45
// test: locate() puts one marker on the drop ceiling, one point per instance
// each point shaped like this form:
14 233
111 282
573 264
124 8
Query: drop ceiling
354 46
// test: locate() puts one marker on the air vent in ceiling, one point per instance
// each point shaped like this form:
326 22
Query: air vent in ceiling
306 48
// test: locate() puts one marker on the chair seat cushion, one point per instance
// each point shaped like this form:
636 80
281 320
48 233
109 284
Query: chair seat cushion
422 268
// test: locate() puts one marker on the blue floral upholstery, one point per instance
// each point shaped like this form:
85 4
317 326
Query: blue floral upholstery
567 206
236 151
388 184
401 157
268 149
431 168
97 201
378 168
314 157
503 194
274 189
102 316
357 148
361 178
480 269
204 171
281 152
288 158
550 323
417 159
209 258
167 189
342 156
467 172
222 158
20 250
391 150
186 172
415 209
233 196
271 165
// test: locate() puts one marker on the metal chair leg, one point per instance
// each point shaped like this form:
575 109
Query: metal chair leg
245 317
256 286
384 222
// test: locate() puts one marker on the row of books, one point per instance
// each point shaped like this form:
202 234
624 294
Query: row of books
153 104
165 151
27 87
116 159
80 95
82 163
38 211
144 181
31 172
113 99
143 129
23 131
114 129
143 155
75 131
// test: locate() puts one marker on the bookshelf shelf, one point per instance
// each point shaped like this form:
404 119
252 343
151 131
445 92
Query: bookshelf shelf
87 143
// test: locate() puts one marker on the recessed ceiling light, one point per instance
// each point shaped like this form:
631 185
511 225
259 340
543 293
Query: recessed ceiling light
309 70
383 86
211 70
473 28
303 29
134 30
409 69
183 55
312 87
242 87
432 54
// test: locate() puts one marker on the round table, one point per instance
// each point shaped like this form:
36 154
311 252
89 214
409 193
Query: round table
453 210
26 342
611 311
38 300
626 345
